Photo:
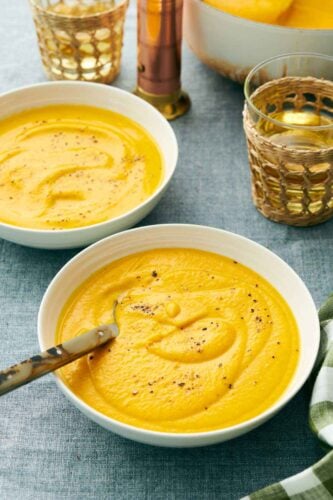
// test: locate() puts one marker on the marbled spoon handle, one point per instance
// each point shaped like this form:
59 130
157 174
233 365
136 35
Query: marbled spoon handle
55 357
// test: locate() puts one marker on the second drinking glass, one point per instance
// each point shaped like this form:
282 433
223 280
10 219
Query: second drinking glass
288 122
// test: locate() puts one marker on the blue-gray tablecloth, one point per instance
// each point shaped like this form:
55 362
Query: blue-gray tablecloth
48 449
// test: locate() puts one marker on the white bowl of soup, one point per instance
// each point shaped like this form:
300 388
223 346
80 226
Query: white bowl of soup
79 161
233 45
217 333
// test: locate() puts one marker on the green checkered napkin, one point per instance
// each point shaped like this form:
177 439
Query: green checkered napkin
315 483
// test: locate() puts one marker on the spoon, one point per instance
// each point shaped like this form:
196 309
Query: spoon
55 357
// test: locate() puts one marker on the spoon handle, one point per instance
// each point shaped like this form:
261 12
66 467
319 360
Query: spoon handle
55 357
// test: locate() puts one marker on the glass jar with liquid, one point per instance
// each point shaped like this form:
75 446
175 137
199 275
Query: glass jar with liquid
288 121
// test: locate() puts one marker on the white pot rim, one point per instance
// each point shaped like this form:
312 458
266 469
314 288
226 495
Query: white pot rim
274 27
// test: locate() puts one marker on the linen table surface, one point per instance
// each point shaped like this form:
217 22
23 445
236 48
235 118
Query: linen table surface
48 449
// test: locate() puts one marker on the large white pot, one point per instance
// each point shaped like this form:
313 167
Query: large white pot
232 45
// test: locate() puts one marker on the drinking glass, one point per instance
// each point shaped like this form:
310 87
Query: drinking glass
288 122
80 39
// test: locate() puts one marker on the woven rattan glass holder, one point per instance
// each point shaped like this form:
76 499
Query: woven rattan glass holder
291 185
80 40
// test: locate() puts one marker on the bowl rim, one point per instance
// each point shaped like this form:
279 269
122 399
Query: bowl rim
275 27
130 430
165 181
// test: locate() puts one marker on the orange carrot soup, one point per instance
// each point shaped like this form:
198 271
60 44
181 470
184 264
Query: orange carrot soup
205 343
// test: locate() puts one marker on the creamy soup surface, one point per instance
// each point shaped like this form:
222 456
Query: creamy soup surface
309 14
204 343
66 166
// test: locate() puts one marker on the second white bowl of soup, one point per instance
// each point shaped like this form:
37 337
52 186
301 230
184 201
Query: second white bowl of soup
216 333
79 161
